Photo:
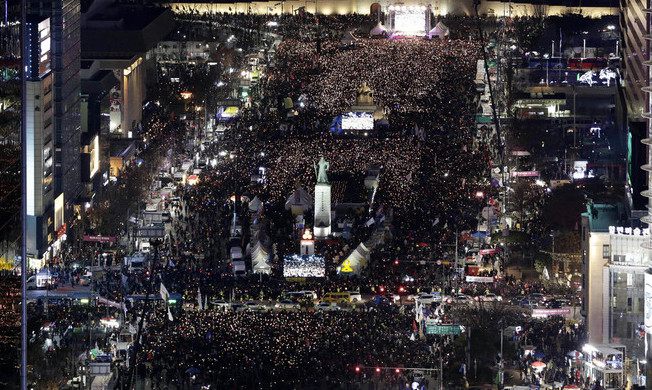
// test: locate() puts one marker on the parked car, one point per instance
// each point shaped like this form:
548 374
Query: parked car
428 298
528 303
327 306
490 297
459 299
287 305
221 304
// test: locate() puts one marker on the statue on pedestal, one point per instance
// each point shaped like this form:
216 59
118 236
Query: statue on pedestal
364 96
320 171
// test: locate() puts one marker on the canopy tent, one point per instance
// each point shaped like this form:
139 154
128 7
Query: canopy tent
440 31
299 202
255 204
378 30
348 39
259 259
355 262
262 268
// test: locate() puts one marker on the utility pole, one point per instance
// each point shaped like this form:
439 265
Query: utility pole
23 201
441 365
501 373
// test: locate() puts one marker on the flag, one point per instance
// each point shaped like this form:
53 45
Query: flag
170 315
370 222
171 263
205 301
165 295
199 300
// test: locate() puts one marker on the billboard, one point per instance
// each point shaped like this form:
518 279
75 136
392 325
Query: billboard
409 20
304 266
358 121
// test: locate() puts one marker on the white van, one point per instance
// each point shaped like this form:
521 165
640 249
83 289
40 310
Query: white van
42 279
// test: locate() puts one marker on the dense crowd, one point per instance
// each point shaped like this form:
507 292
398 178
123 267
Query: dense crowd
281 349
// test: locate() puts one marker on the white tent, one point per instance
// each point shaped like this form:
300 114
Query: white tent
299 202
440 31
355 262
348 39
378 30
259 259
255 204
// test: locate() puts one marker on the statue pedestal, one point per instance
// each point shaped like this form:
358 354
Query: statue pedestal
363 108
322 225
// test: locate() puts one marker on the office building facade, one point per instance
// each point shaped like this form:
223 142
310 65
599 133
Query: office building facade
39 142
66 53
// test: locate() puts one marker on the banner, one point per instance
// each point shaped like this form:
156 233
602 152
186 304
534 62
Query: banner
543 313
443 329
488 251
479 279
103 239
525 174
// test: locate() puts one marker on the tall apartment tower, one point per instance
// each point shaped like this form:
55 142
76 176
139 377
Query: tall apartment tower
39 144
66 53
634 27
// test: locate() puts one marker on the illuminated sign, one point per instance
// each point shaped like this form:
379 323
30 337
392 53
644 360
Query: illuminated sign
648 302
346 266
58 212
61 231
103 239
95 156
358 121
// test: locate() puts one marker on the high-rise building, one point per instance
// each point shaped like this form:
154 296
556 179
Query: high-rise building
53 123
634 27
39 145
66 53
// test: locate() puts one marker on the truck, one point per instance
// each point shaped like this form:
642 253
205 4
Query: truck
237 262
42 279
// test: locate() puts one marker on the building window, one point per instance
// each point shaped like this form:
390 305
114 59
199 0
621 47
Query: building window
614 327
629 304
629 330
606 251
630 280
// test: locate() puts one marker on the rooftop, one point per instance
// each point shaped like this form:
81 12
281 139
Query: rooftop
602 215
